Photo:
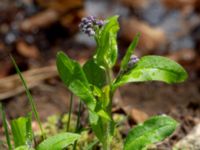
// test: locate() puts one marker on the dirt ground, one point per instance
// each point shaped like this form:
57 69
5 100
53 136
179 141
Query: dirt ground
179 101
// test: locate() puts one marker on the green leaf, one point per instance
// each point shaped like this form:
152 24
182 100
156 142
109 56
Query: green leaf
105 98
95 75
18 127
58 142
84 92
96 125
103 114
91 145
107 50
151 131
153 68
22 131
96 91
99 112
129 52
24 147
29 131
69 69
5 126
30 98
74 78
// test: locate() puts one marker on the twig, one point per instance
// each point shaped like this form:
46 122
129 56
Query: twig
11 86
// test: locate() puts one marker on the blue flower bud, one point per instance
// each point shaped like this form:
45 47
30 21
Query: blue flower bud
133 60
100 23
90 32
92 18
89 24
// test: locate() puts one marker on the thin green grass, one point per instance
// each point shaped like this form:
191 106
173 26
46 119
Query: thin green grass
70 111
30 98
5 125
78 123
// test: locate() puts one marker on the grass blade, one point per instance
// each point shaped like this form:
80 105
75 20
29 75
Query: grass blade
22 131
78 123
30 98
129 52
5 125
70 111
18 127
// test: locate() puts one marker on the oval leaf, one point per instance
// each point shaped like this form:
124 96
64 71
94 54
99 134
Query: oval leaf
69 70
82 91
74 78
107 49
24 147
151 131
58 142
153 68
95 75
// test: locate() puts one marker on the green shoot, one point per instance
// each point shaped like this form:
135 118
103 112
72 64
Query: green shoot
22 131
70 111
95 84
78 123
5 126
30 98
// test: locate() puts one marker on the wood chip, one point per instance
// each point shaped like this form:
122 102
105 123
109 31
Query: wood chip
70 20
5 67
178 4
42 19
60 5
11 85
191 141
151 37
137 4
55 9
138 116
29 51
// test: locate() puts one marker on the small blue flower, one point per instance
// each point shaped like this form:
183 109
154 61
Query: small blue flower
100 23
133 60
89 24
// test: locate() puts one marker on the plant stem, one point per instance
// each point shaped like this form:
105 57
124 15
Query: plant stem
79 116
70 111
78 123
107 143
5 125
107 129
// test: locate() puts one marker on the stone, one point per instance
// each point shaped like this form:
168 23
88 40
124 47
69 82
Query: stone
191 141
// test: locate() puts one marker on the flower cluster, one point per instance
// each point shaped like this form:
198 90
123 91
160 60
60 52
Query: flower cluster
133 60
89 24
